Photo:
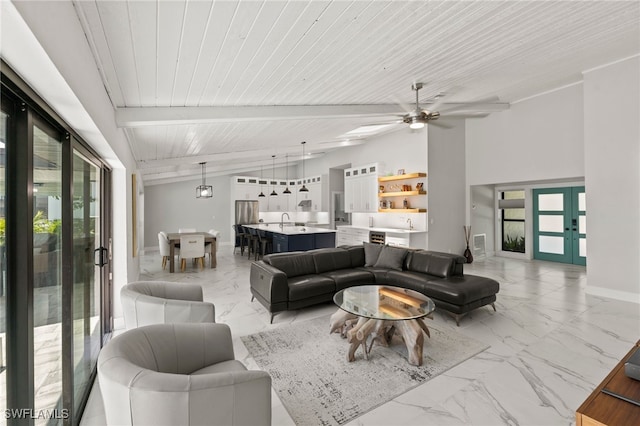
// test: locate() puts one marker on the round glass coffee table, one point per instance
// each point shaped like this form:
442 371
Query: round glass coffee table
371 313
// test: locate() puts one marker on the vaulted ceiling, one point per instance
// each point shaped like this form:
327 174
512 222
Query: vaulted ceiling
234 82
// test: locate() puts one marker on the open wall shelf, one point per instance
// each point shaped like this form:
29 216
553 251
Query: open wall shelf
401 177
402 210
401 193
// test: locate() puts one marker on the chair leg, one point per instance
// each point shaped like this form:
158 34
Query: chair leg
183 264
202 263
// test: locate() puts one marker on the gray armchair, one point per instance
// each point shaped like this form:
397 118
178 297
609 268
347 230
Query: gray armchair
180 374
161 302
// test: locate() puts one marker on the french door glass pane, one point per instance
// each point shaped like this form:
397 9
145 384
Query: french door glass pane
582 202
86 278
549 244
550 223
582 247
513 236
47 292
551 202
582 224
3 288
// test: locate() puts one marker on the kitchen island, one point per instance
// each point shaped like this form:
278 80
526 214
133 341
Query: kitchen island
297 238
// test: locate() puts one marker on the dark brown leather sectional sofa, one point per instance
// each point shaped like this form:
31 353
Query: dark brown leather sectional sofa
288 281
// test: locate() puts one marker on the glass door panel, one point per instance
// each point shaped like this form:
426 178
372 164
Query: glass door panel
86 276
578 226
47 270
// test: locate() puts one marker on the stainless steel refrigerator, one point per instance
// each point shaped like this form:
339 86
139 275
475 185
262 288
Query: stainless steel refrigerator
246 212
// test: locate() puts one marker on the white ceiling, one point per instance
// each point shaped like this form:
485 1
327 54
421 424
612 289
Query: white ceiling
234 82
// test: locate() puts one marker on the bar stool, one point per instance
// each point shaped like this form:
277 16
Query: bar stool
266 243
252 243
241 237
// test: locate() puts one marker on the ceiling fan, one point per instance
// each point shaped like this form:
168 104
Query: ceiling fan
417 118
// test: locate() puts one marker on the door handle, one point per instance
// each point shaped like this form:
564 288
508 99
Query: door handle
99 256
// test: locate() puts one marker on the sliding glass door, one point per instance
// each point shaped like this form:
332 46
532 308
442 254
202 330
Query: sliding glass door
86 274
54 284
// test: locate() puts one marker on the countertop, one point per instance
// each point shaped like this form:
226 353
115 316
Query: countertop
290 229
385 230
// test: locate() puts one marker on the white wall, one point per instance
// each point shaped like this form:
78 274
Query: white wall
483 215
612 163
588 131
537 139
447 204
172 206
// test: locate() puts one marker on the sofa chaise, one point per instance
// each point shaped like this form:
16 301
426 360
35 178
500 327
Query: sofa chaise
294 280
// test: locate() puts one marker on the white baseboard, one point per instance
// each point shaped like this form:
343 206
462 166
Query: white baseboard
624 296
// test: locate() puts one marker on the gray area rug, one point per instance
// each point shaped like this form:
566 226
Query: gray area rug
317 385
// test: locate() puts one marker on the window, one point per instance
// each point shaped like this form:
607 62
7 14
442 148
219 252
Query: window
513 221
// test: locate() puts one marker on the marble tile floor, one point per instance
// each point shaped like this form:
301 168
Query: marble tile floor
551 344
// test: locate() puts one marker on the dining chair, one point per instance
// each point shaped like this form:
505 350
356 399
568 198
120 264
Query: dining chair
191 247
185 230
165 249
207 246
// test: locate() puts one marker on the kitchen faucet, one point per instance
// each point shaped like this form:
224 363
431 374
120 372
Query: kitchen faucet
282 219
410 224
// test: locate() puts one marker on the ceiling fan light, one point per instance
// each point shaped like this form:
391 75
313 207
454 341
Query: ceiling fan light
416 124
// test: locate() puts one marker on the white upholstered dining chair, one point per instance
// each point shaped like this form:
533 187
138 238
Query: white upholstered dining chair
165 250
191 247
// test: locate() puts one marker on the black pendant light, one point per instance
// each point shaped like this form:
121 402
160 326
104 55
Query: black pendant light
273 176
261 194
304 188
286 190
204 190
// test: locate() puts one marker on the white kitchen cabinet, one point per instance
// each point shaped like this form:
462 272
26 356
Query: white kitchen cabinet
349 236
361 188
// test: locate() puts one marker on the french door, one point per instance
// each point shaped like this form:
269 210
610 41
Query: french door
559 225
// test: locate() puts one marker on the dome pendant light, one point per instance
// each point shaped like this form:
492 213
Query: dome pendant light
304 188
261 195
273 176
286 190
204 190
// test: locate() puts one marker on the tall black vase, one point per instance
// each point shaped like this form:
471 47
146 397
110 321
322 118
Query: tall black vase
467 254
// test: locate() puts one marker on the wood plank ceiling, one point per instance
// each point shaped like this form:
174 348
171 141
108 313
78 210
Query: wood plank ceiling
233 82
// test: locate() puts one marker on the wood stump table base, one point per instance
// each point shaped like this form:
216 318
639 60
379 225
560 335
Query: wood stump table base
358 333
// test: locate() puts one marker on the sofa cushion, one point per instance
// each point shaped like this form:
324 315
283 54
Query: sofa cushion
305 286
371 253
293 264
432 263
379 274
330 259
391 257
356 253
350 277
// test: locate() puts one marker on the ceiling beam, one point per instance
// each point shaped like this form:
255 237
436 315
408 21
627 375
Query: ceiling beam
165 116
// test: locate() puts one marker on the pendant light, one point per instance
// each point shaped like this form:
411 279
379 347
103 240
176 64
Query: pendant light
204 190
261 195
286 190
273 176
304 188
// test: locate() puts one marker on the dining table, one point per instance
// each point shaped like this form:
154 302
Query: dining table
174 241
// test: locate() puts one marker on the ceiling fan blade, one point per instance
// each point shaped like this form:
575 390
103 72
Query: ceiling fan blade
407 108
